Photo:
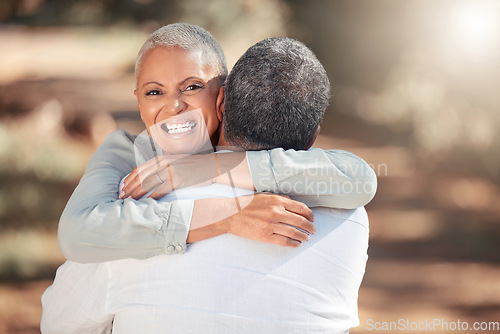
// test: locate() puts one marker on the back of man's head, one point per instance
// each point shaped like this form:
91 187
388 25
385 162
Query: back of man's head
275 96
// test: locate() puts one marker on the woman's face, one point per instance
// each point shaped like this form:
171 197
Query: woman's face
177 97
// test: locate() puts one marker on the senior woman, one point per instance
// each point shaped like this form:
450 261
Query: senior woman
180 73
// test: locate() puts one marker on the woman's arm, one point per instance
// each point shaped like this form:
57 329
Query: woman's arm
96 226
329 178
263 217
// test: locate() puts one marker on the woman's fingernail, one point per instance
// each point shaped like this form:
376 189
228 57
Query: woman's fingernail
122 194
122 186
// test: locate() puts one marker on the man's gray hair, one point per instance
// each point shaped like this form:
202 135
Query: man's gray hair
275 96
191 38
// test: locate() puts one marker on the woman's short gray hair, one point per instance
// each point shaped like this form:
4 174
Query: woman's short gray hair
191 38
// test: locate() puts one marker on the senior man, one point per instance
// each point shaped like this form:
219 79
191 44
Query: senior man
229 284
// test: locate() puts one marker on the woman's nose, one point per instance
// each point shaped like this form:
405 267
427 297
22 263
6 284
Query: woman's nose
174 105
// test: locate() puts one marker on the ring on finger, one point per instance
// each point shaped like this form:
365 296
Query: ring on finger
159 178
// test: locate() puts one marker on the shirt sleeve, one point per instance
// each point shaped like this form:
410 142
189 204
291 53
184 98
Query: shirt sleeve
329 178
76 302
96 226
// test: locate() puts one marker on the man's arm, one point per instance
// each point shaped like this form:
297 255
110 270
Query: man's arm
76 301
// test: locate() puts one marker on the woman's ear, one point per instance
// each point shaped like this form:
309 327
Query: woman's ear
219 104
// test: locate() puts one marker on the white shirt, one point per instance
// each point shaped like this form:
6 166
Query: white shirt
221 285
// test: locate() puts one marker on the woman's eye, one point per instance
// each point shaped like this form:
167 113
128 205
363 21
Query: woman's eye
193 87
153 92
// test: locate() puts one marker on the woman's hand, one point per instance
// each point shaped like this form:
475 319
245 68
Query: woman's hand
272 218
265 217
167 173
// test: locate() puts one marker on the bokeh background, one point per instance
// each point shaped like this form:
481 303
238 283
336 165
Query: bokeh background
415 94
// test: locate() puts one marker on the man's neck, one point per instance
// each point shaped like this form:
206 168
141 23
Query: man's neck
223 144
222 139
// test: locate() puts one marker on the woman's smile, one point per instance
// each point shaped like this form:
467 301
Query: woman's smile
179 128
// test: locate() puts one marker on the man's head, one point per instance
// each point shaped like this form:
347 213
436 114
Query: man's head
191 38
275 96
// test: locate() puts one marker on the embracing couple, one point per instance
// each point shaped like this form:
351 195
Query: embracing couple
220 218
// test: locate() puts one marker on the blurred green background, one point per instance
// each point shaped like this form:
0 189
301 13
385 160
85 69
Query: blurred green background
414 86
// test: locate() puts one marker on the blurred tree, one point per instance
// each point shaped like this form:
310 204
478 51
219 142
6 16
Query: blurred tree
89 12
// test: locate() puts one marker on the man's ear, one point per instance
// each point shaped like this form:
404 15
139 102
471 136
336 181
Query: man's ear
219 104
313 138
